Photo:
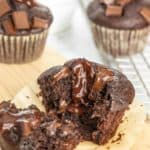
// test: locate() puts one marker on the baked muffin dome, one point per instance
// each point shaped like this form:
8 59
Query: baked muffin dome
90 94
21 17
131 17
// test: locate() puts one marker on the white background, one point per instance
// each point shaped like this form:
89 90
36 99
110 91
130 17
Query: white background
70 33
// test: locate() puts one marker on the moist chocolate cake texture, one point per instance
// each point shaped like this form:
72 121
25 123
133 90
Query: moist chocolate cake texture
53 134
84 101
91 95
120 14
16 124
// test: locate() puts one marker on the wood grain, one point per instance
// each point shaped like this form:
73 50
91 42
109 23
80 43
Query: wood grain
15 77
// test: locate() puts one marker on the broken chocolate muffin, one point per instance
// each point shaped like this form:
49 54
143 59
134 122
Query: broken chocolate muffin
93 96
53 134
16 124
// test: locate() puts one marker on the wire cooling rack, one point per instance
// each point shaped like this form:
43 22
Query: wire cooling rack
137 69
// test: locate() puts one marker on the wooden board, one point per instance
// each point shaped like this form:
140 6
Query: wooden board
15 77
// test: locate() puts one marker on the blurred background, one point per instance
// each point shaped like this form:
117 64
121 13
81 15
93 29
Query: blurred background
70 33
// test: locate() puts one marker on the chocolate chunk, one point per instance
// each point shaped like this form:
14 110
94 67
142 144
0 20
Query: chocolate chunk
107 2
62 74
75 109
8 27
123 2
145 12
4 7
40 23
101 79
30 3
83 72
21 20
114 10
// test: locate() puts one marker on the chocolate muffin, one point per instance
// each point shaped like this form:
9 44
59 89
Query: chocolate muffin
53 135
120 27
24 26
16 124
93 96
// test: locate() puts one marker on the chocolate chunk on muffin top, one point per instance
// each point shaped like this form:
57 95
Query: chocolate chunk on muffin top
120 14
19 17
90 94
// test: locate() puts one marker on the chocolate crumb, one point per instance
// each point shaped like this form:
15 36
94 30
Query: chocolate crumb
120 135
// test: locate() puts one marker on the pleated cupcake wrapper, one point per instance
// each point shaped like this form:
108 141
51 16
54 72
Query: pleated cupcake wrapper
120 42
22 49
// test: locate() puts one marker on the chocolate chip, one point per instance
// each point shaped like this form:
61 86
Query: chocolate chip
114 10
40 23
21 20
62 74
123 2
30 3
4 7
107 2
145 12
8 27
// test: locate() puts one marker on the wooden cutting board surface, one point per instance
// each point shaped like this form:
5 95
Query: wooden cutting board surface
15 77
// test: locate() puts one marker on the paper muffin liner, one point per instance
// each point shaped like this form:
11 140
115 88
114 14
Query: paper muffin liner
120 42
22 49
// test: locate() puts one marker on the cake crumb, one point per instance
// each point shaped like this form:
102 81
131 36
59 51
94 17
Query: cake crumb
120 135
27 97
38 94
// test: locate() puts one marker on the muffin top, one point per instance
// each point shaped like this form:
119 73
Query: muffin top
21 17
120 14
88 94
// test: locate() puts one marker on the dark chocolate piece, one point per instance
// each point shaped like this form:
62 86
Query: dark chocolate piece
123 2
30 3
27 17
21 20
40 23
83 72
62 74
107 2
8 27
130 18
4 7
91 95
114 10
145 12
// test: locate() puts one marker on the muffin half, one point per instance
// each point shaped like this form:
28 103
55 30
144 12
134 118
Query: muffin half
94 96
